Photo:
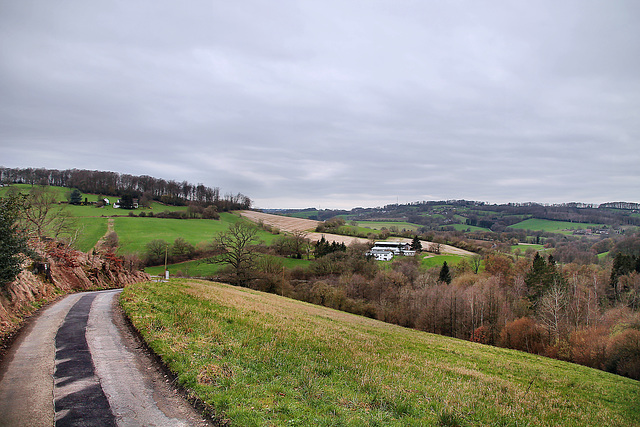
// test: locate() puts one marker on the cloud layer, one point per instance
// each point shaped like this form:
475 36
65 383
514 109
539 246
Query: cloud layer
331 104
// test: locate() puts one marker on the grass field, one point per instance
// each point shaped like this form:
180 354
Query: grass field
305 214
92 230
134 232
199 268
552 226
470 228
264 360
438 260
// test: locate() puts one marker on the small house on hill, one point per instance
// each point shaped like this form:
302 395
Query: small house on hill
385 251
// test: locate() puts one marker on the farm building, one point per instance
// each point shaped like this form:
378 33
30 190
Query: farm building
385 251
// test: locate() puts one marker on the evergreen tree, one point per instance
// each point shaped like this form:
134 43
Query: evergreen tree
415 244
75 197
13 242
126 201
445 273
542 276
622 264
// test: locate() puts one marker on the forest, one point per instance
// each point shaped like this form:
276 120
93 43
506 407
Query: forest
587 313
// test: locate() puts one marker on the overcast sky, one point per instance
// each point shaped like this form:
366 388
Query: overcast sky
331 104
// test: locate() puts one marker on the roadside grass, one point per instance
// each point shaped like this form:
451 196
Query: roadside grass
561 227
260 359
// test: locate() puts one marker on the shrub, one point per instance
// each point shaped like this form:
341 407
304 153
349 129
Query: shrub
522 334
623 354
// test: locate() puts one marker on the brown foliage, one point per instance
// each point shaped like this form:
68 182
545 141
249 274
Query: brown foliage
623 354
588 347
523 334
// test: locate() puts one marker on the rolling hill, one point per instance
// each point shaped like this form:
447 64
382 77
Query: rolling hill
261 359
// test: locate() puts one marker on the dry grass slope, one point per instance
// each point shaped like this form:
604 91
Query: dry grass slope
260 359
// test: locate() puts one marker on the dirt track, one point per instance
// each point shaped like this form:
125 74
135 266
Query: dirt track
289 225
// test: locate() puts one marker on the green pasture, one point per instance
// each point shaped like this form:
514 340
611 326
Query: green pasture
468 228
350 230
258 359
552 226
200 268
134 233
438 260
91 230
304 214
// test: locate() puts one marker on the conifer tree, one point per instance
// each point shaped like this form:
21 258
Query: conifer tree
13 242
445 274
415 244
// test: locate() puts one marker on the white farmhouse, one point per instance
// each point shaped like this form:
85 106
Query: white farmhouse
385 251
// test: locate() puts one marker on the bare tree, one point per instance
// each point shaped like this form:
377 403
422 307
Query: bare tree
552 311
236 248
44 217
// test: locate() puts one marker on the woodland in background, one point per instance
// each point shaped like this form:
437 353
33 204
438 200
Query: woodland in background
145 188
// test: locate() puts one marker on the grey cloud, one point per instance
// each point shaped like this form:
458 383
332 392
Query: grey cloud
334 104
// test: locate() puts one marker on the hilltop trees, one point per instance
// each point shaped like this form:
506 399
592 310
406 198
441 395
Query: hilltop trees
142 187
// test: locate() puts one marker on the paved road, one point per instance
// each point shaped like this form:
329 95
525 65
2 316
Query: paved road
77 364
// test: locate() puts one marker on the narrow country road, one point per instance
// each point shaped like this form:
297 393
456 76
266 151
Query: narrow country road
78 364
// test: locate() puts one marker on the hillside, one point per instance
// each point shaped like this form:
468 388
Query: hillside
292 225
261 359
473 216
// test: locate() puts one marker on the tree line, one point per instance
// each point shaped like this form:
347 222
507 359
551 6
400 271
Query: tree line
434 214
115 184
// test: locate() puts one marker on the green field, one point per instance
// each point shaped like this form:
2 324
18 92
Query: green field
92 229
438 260
469 228
259 359
304 214
552 226
135 233
199 268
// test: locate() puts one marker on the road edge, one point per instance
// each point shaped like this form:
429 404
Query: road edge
207 411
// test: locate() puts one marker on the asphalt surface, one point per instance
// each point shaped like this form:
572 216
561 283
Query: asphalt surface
78 364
